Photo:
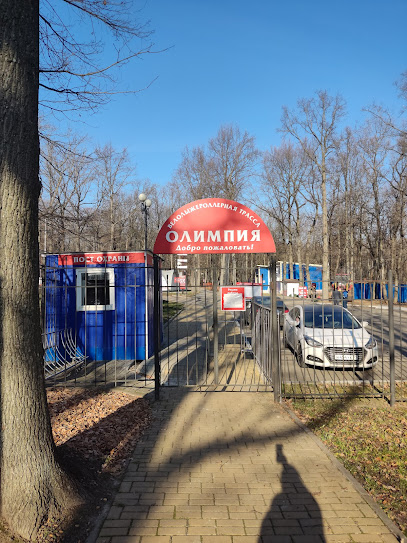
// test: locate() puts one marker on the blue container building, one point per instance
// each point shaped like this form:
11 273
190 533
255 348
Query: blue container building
100 303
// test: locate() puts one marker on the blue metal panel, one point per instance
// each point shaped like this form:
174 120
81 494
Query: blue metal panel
103 334
365 291
264 274
368 288
357 291
402 294
316 276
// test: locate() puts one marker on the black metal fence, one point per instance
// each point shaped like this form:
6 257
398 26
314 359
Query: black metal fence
121 329
347 343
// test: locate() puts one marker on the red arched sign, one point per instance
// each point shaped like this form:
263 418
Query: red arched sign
214 225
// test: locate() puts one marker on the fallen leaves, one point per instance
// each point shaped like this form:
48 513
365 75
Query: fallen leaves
95 431
101 425
370 439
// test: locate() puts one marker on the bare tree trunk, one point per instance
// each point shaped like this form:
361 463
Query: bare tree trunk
308 244
338 256
299 247
290 256
234 279
300 263
325 238
33 486
224 272
351 269
112 227
248 276
198 265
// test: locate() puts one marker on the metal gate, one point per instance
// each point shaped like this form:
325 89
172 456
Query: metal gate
204 346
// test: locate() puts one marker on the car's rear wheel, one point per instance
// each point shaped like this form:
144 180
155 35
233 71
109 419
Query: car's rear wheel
299 356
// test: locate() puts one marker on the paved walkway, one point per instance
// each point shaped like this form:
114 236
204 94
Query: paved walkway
232 467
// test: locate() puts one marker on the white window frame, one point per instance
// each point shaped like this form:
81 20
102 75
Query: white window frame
79 289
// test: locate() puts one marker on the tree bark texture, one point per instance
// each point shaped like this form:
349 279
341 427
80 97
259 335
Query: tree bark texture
33 486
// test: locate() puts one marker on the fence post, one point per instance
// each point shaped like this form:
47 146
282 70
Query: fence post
215 325
274 335
391 340
157 331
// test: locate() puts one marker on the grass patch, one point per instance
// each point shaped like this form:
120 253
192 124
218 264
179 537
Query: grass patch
370 439
170 309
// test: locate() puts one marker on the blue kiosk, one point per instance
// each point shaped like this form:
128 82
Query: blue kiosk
100 305
282 274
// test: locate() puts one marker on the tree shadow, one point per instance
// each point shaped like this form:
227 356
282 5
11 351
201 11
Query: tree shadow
108 450
158 469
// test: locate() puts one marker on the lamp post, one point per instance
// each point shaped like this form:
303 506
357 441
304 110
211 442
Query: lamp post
145 205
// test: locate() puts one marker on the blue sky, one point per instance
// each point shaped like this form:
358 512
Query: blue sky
240 62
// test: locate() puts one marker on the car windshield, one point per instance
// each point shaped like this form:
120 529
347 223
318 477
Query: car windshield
262 300
266 301
329 317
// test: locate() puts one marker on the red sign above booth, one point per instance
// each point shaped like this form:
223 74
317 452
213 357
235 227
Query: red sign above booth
82 259
214 225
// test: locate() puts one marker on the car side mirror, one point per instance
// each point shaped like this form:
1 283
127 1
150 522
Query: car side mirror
365 323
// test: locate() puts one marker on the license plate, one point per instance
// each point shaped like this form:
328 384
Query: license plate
346 357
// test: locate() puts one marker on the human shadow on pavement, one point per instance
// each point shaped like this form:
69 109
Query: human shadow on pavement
294 511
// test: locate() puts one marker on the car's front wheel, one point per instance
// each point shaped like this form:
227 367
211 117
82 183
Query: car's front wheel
299 356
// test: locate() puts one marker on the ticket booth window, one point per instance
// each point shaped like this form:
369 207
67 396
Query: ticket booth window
95 289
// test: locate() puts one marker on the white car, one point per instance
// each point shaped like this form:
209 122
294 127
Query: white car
329 336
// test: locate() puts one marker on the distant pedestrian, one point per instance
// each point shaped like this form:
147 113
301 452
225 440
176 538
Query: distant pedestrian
336 296
345 299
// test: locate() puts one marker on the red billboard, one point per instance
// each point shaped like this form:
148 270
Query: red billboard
214 225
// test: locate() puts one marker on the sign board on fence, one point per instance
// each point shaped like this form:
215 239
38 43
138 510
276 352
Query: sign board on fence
302 292
181 281
233 299
251 289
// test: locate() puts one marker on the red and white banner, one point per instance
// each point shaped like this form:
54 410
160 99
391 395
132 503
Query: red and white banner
303 292
232 299
214 225
107 258
181 281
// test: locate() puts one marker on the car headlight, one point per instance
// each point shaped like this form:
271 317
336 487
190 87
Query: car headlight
371 344
312 342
